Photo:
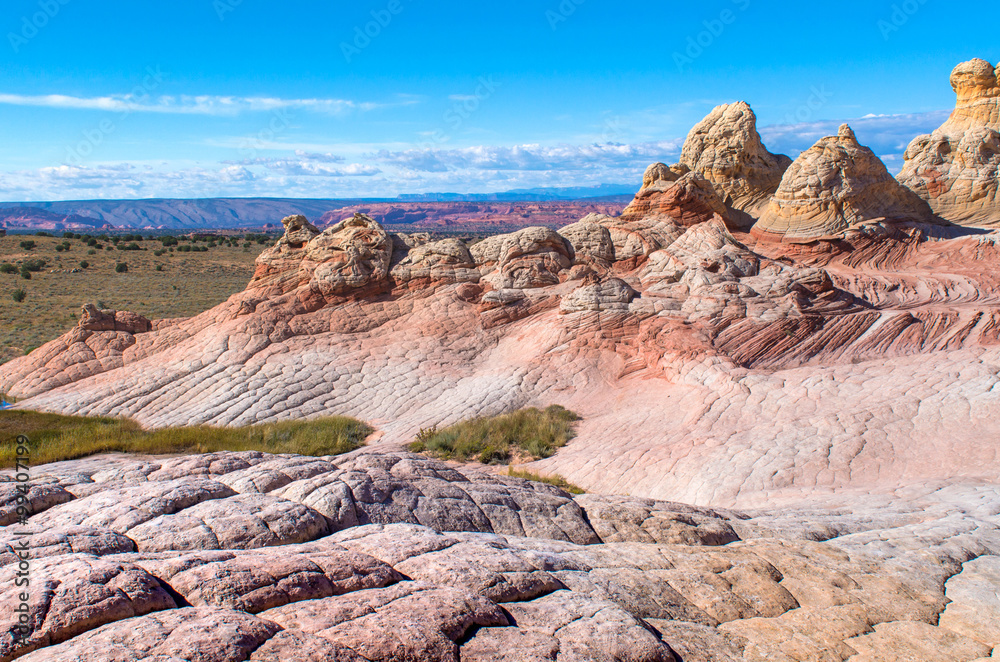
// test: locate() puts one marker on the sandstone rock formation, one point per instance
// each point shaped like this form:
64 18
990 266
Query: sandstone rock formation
957 167
725 149
418 578
93 319
835 185
825 406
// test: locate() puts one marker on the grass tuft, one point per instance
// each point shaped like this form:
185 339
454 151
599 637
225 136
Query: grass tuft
528 434
55 438
554 479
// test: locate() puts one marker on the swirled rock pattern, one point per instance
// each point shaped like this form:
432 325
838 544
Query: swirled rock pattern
847 576
957 167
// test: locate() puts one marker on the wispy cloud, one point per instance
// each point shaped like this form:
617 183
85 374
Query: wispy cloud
886 135
197 105
533 157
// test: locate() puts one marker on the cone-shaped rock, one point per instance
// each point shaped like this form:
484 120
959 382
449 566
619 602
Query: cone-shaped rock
726 149
957 168
834 185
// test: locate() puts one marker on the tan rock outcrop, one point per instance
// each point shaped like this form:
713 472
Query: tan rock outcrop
957 167
661 172
444 261
528 258
347 258
686 201
276 269
591 241
835 185
93 319
726 149
596 294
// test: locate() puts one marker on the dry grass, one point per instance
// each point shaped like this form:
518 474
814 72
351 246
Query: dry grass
54 438
554 479
187 284
528 434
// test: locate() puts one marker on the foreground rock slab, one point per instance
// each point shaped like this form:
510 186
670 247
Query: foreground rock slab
841 577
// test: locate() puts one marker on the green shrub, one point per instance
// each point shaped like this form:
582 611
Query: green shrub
34 264
19 294
528 433
27 244
25 274
91 241
159 267
121 268
7 268
67 235
84 264
91 252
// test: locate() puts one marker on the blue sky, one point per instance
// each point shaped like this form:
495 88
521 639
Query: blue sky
204 98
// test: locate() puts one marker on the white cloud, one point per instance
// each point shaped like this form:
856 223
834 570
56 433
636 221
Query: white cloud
195 105
563 158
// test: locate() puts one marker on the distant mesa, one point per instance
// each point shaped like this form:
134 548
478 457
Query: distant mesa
835 185
957 167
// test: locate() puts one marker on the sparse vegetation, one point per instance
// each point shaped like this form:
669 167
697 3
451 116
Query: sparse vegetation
527 434
55 438
555 479
84 264
19 294
27 244
121 268
53 304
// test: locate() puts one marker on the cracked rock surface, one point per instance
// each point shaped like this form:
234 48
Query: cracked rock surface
417 575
